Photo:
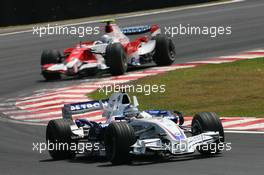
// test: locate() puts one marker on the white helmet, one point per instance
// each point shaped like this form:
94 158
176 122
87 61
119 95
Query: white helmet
131 111
106 39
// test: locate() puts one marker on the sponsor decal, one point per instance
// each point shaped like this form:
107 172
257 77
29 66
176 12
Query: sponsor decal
87 105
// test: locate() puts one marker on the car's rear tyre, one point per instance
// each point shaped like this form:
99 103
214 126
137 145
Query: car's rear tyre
58 132
208 121
116 59
50 57
165 53
119 137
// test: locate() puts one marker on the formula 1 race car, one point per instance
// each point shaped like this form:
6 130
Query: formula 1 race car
113 52
128 131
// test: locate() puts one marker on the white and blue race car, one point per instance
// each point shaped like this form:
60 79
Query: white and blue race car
128 131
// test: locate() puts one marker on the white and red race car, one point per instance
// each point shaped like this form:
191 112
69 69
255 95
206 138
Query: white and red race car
113 52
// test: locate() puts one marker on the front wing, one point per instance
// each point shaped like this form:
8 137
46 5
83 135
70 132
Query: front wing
184 146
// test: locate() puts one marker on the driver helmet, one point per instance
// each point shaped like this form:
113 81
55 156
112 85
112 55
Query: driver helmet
106 39
131 112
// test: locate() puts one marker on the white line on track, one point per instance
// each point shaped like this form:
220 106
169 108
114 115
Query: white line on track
136 15
37 100
244 132
49 96
243 56
33 110
36 116
183 67
59 101
250 127
211 61
237 122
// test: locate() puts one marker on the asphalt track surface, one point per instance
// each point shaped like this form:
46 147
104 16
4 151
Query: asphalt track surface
20 73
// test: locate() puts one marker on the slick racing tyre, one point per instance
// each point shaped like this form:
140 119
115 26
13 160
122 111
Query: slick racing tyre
119 137
58 137
116 59
208 121
165 52
50 57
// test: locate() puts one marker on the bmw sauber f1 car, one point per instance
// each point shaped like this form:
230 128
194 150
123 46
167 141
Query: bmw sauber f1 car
114 52
128 131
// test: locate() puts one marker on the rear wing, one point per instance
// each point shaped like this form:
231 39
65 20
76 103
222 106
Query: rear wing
79 108
154 29
135 30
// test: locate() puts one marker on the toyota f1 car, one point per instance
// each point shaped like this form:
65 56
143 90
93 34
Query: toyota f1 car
128 131
113 52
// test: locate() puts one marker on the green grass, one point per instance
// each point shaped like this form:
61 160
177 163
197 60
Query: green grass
229 89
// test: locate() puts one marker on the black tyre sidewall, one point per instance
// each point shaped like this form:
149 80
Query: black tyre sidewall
116 59
50 57
208 121
118 139
163 51
58 131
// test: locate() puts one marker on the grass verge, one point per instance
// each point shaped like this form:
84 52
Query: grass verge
229 89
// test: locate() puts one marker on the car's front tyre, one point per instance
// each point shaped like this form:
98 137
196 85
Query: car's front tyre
208 121
58 138
119 137
116 59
